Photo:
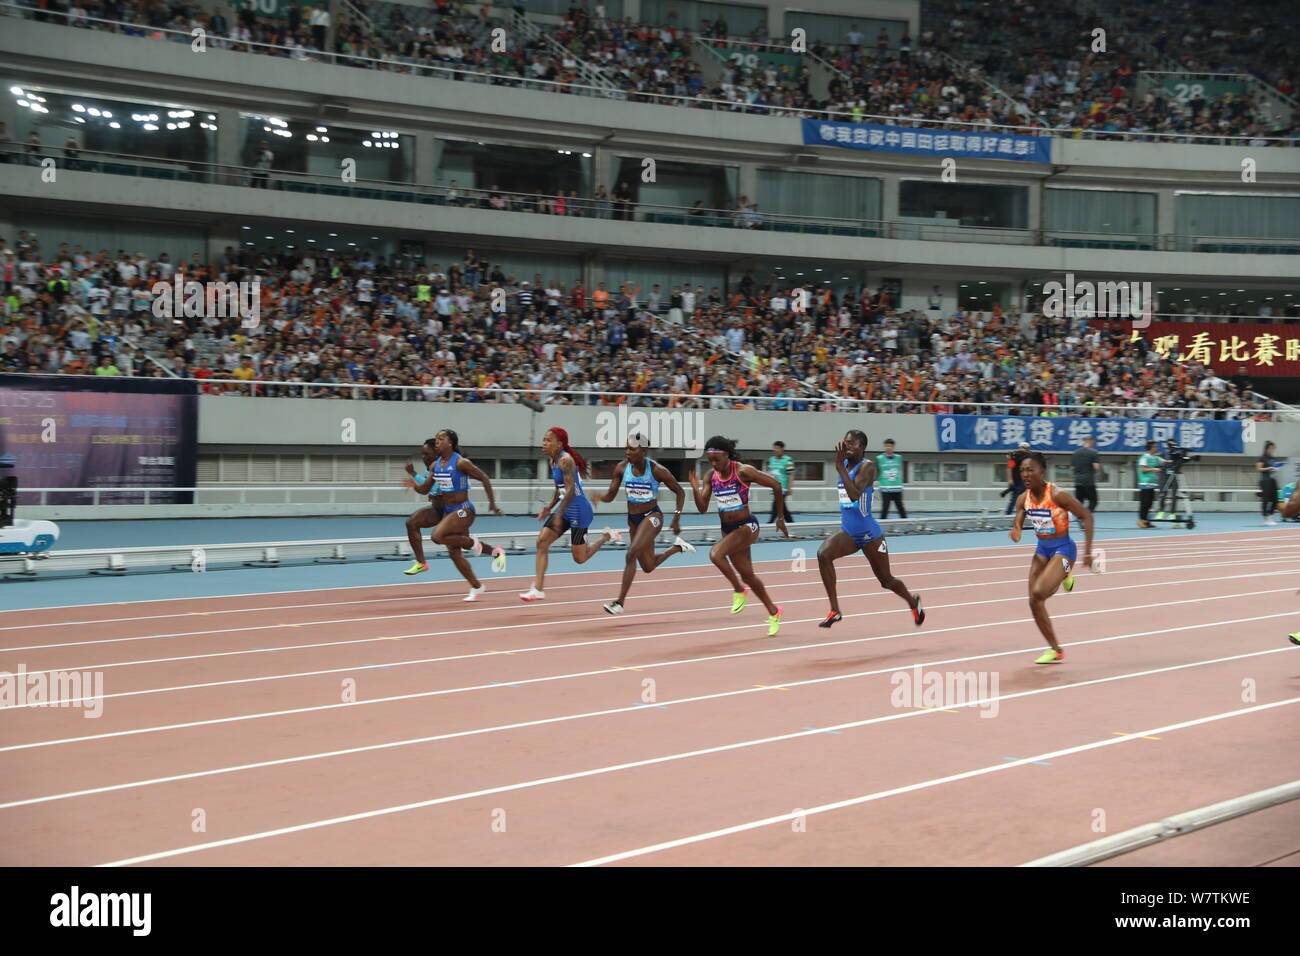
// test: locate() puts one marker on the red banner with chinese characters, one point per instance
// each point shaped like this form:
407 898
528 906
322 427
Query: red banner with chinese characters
1227 348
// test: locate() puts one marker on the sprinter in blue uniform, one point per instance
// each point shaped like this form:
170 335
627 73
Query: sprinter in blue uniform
641 477
569 510
446 482
859 530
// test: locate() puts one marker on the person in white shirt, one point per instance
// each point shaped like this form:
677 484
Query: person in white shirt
688 302
365 288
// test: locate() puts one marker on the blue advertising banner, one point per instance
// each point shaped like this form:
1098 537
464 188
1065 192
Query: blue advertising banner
1008 432
85 431
923 142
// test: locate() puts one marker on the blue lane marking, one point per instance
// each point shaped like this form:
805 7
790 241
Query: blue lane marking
499 684
820 731
1041 763
641 703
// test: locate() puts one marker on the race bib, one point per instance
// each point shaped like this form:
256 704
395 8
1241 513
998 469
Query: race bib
1041 522
729 501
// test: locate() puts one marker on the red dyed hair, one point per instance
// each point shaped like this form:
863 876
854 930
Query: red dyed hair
578 460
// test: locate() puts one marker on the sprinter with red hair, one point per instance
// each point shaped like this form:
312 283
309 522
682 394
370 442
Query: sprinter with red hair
569 510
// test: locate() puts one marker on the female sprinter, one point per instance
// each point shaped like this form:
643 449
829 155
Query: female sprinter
1049 509
571 508
859 530
449 472
729 483
642 477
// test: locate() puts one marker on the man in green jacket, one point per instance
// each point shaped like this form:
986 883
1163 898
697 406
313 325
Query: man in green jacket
889 468
1148 479
781 467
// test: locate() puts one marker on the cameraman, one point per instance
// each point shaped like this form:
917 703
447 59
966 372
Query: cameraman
1268 467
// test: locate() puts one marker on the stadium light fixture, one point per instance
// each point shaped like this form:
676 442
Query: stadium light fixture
78 108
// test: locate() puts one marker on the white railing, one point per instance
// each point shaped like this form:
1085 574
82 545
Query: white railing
218 43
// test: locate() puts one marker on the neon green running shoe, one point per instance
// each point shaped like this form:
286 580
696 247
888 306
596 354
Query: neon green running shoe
1051 657
774 621
1068 583
416 567
738 602
498 559
1294 638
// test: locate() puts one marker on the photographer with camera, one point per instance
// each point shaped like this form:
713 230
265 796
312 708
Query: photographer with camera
1268 467
1170 485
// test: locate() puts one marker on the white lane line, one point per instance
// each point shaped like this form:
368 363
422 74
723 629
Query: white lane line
636 708
1265 536
615 640
923 785
739 745
482 609
556 677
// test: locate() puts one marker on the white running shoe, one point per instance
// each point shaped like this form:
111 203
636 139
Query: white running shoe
613 534
532 594
685 545
475 592
1268 519
614 607
478 545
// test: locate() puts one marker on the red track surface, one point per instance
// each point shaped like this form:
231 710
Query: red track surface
510 734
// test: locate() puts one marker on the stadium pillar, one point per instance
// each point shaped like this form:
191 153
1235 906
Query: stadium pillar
775 20
1166 218
889 198
427 155
747 183
229 148
1034 210
605 166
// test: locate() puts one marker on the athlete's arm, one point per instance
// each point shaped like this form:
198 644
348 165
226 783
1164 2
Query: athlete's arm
614 484
855 488
467 467
1068 502
570 485
665 477
702 495
1019 521
754 476
420 488
1292 506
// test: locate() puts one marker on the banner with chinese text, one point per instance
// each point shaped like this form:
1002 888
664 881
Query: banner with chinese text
1007 432
927 142
1255 348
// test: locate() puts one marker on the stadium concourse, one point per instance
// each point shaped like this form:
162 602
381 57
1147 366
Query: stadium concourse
883 77
334 319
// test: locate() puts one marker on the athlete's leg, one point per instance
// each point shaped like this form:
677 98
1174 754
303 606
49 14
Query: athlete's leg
744 565
720 555
641 542
877 553
451 534
833 548
1045 578
426 517
545 538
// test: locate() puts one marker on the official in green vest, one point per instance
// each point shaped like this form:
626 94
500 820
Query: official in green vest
781 467
1148 480
889 472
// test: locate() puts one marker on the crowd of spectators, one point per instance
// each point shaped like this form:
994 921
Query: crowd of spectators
359 319
1043 60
